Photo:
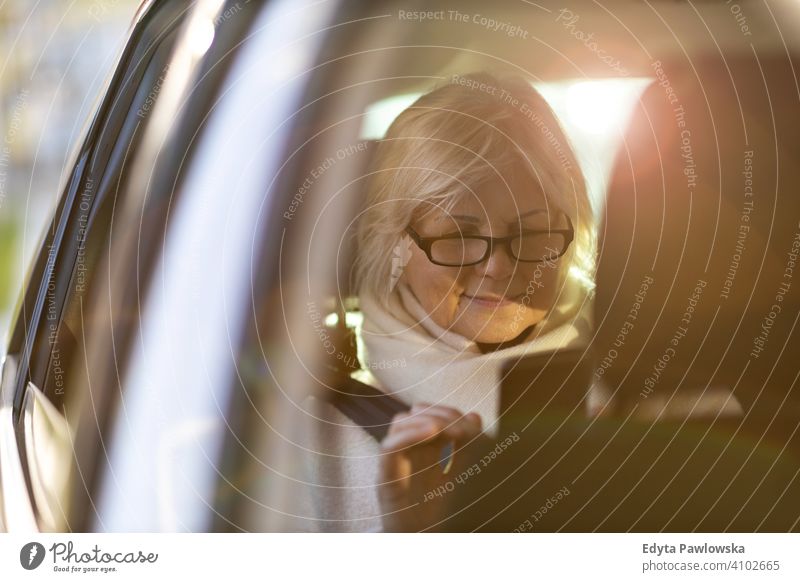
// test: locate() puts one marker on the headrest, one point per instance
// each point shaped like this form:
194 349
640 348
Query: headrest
697 281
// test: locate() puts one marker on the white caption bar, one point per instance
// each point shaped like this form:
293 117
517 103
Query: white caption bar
357 557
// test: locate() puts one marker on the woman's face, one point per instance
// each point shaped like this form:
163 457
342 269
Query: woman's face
497 299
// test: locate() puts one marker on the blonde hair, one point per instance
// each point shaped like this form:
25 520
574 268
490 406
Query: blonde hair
473 128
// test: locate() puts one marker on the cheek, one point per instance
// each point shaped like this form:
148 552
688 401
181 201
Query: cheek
437 288
541 287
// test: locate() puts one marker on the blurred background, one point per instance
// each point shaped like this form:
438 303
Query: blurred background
55 57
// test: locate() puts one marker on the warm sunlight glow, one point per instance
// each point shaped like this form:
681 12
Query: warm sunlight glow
599 107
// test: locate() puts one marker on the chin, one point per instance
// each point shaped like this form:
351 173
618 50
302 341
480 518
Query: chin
494 332
491 338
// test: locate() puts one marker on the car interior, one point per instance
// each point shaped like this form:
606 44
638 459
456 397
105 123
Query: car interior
697 207
689 139
689 272
665 204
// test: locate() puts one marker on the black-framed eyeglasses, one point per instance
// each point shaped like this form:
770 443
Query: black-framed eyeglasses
530 246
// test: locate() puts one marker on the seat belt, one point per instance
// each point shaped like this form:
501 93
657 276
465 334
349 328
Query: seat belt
368 407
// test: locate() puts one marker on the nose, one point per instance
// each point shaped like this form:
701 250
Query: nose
500 264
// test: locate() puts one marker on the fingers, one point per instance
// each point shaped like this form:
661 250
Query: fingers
425 423
407 430
460 426
411 459
395 471
470 422
397 465
445 413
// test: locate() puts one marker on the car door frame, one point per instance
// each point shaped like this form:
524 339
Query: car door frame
57 249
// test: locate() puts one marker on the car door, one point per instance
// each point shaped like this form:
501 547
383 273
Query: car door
182 266
37 400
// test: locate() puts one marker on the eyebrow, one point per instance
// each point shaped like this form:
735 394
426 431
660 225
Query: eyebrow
534 211
467 218
477 220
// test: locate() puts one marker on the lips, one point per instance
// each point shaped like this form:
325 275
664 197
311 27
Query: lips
492 300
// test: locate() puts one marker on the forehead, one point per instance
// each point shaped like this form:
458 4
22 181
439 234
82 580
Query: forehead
500 198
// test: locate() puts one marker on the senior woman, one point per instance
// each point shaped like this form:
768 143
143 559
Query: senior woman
476 245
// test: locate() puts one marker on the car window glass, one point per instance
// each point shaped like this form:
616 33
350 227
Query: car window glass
72 267
91 219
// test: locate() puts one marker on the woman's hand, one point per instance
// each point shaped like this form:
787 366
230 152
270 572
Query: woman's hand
410 464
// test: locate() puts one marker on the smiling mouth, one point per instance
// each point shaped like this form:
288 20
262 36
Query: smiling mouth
492 300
